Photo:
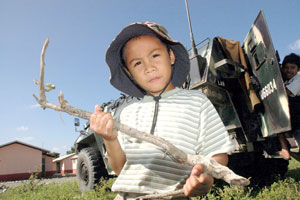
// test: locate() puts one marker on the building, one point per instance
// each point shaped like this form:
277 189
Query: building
19 160
66 164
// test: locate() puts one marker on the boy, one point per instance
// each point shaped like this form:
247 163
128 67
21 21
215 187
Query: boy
145 62
290 69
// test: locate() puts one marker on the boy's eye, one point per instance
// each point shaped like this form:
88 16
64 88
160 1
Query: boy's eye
137 63
155 55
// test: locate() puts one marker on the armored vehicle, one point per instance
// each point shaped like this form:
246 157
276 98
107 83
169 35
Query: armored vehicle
245 85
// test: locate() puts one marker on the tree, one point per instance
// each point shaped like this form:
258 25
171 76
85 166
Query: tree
72 150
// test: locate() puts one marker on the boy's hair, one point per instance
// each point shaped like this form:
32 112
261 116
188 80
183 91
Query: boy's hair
119 78
291 58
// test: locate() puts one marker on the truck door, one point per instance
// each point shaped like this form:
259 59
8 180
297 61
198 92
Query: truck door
259 51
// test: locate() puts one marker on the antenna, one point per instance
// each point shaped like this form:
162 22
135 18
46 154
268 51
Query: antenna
194 50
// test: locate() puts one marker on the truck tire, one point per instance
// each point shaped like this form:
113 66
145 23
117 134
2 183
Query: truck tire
90 168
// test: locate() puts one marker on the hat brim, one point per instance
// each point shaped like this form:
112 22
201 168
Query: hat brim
120 80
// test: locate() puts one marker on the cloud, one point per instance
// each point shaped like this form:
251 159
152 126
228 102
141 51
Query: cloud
22 128
295 45
25 139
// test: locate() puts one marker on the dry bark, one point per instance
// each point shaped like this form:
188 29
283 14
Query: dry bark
212 167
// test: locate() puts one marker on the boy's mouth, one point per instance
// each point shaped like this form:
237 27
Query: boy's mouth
288 75
152 80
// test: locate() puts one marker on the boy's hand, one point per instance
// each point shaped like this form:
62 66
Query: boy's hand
198 183
102 124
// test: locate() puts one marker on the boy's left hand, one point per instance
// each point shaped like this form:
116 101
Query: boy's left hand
198 183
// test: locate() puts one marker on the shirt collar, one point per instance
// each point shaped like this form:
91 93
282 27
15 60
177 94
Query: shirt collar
163 95
292 79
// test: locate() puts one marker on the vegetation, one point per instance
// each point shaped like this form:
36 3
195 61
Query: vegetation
287 188
59 191
72 150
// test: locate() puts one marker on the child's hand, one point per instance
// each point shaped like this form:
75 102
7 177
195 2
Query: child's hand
198 183
102 124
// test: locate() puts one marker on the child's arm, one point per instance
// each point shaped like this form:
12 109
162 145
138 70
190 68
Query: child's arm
199 184
221 158
102 124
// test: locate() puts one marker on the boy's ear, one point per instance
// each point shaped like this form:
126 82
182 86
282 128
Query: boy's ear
172 56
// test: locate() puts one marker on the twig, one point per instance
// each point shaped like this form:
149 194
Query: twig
160 196
211 166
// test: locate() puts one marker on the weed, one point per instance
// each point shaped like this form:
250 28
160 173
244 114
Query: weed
33 183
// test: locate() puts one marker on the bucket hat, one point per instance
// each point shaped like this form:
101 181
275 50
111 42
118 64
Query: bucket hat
118 77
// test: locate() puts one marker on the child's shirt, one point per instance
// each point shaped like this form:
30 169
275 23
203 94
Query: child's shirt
188 120
294 85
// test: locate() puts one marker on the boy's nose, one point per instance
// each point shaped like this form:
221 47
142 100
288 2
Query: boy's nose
149 67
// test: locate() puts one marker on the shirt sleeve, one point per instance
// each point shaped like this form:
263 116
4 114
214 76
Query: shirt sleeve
213 134
294 86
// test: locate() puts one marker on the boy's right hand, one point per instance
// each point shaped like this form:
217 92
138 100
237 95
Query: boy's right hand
102 124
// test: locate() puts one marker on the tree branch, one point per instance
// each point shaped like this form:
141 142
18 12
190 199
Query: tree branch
211 166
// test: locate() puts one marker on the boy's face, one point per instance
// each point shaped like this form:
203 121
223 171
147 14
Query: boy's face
290 70
149 63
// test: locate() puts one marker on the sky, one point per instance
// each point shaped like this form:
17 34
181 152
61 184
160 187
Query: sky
80 32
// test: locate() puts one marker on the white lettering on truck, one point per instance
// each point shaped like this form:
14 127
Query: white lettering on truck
268 89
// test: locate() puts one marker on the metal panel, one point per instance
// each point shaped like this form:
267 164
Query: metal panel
259 50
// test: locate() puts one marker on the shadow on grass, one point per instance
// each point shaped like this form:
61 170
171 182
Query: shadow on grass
293 173
222 190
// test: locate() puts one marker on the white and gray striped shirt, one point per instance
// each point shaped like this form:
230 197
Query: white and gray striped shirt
188 120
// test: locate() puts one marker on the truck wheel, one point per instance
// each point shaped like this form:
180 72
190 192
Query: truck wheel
90 168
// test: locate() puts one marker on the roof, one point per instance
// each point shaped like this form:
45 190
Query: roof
25 144
63 157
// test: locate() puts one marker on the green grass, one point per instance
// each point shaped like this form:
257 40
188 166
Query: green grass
284 189
61 191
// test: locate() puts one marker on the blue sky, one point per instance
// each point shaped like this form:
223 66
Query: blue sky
80 32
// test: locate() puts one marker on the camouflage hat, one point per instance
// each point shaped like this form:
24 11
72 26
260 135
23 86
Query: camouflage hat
118 77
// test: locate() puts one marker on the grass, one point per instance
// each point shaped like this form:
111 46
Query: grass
61 191
287 189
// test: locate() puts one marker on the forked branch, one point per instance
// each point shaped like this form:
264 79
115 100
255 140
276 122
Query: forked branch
211 166
63 104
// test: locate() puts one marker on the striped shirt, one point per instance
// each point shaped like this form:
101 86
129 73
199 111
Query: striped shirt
188 120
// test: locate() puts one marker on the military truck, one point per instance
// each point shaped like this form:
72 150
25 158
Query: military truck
245 85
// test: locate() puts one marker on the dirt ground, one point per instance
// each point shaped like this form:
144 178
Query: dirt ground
11 184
